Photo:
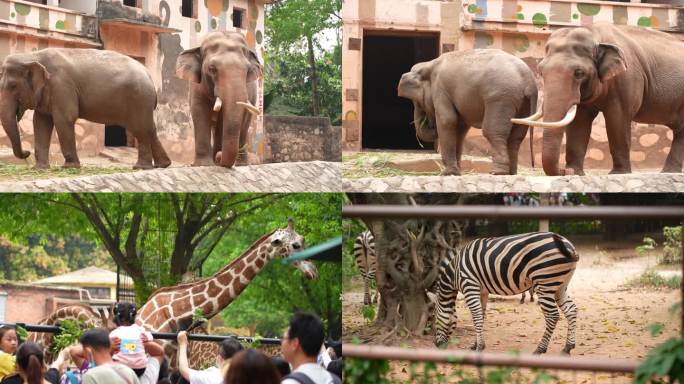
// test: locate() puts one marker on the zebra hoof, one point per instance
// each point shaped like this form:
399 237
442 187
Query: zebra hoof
539 351
477 348
567 349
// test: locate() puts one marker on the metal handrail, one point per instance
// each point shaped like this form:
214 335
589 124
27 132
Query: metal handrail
505 212
523 360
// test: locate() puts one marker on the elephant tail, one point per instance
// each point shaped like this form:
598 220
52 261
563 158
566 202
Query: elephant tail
533 110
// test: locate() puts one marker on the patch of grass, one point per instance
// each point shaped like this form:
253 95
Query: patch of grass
15 172
651 279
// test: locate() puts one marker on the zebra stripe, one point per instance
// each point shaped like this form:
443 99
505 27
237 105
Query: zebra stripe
508 266
364 254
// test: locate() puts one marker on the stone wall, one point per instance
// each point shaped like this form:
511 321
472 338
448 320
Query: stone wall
301 138
29 303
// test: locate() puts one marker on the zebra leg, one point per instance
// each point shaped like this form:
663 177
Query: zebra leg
366 290
445 314
484 295
473 302
569 310
551 315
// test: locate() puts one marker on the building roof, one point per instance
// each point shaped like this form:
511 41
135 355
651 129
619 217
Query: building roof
85 276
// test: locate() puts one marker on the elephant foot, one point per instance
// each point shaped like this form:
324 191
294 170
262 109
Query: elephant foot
162 164
71 164
619 171
672 169
203 162
142 166
451 171
501 169
42 166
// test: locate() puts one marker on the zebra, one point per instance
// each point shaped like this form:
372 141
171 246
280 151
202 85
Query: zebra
364 254
508 266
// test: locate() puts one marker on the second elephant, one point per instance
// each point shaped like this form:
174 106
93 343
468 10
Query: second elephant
481 88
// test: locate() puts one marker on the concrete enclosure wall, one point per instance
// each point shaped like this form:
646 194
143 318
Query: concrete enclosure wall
298 138
29 304
519 27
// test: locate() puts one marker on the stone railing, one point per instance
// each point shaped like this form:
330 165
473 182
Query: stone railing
23 17
301 138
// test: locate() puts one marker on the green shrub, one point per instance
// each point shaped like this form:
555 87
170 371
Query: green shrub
672 247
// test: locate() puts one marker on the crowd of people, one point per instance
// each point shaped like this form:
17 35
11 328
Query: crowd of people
129 355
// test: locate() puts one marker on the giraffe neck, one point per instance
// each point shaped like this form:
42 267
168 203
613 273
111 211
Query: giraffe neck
210 295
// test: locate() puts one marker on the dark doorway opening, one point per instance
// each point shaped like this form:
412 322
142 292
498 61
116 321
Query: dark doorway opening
387 117
115 136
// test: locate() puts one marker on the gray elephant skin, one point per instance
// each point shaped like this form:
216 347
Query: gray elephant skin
64 84
222 73
628 73
481 88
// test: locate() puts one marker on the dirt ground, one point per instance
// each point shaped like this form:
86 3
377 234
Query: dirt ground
376 163
611 317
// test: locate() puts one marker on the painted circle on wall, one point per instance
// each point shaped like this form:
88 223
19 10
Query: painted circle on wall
588 9
259 37
198 26
251 40
216 6
521 43
520 16
473 8
214 23
22 9
253 12
539 20
59 24
350 116
644 21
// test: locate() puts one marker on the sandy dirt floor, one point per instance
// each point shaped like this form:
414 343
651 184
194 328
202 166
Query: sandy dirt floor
611 317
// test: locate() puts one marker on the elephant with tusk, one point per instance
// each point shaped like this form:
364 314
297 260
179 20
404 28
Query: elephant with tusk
223 73
628 73
482 88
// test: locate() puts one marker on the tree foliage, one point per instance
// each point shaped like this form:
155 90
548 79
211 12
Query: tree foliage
302 76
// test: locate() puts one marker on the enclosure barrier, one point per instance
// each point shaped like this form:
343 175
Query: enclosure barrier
156 335
480 359
523 360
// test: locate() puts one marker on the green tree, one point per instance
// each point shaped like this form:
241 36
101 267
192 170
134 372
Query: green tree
295 29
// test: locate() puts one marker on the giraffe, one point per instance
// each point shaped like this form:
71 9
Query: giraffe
171 309
89 317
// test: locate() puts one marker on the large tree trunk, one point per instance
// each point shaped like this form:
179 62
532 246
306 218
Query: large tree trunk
408 256
315 102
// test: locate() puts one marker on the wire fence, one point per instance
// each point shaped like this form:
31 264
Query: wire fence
567 369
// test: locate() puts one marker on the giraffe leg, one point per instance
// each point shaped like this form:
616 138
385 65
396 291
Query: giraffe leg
548 305
567 306
472 298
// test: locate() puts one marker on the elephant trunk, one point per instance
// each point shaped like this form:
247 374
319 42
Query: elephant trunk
559 105
8 117
233 113
425 128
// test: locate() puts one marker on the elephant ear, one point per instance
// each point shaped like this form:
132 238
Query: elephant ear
254 71
610 61
423 70
189 65
37 77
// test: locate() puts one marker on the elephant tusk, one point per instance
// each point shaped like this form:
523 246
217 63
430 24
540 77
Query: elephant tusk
218 104
569 117
252 109
534 117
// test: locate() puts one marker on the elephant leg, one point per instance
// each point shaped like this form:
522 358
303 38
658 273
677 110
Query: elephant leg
161 159
449 137
516 137
201 117
217 131
461 130
619 129
67 140
577 139
675 158
243 158
496 128
42 129
144 138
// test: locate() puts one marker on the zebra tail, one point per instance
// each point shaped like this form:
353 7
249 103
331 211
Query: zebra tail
571 254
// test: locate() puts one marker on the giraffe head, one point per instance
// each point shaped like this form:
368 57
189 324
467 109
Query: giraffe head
285 242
